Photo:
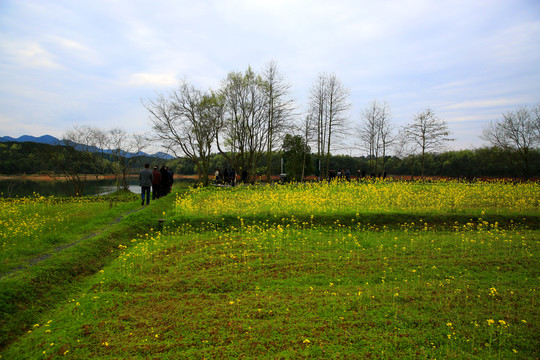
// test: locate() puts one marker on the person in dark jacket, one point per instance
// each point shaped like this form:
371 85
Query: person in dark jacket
164 180
156 184
232 175
145 180
170 174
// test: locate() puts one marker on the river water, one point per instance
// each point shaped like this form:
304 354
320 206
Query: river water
14 187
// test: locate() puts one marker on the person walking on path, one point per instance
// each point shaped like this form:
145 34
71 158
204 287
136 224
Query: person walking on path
145 180
156 183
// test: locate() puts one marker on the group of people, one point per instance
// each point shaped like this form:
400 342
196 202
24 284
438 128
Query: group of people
160 181
228 176
346 175
342 174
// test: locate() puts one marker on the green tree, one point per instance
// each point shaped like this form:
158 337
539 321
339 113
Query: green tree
243 134
297 156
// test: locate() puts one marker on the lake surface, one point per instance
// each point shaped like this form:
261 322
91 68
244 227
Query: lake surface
27 187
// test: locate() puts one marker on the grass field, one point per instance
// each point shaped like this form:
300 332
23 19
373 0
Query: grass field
276 272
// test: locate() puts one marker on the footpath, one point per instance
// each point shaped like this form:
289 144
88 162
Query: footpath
38 259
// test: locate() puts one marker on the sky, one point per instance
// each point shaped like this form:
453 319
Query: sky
67 63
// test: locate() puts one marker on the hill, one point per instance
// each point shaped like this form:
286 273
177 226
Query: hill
45 139
51 140
29 157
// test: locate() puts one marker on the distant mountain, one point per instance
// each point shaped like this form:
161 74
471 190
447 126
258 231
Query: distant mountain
51 140
45 139
162 155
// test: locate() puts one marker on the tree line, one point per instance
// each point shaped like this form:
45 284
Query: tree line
486 162
251 118
298 161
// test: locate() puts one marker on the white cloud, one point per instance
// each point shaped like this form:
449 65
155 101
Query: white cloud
152 80
488 103
71 48
28 54
468 119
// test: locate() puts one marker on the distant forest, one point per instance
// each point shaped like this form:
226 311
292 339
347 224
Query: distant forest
35 158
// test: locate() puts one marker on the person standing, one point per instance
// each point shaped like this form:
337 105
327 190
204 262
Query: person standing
145 180
164 181
156 183
232 174
225 176
170 174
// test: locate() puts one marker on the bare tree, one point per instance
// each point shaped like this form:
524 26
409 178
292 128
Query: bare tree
243 135
428 133
93 142
518 133
186 123
307 130
123 148
329 105
71 165
536 119
317 111
376 133
279 109
338 107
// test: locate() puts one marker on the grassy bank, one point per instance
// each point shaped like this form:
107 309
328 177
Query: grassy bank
33 226
56 267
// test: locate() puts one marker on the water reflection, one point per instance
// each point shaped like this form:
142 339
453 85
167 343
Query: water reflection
27 187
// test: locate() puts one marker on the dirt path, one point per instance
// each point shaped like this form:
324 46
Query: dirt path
36 260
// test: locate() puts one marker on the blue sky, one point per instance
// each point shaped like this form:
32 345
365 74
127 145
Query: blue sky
64 63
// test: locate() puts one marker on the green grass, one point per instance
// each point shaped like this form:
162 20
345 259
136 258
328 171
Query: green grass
306 284
266 291
32 227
